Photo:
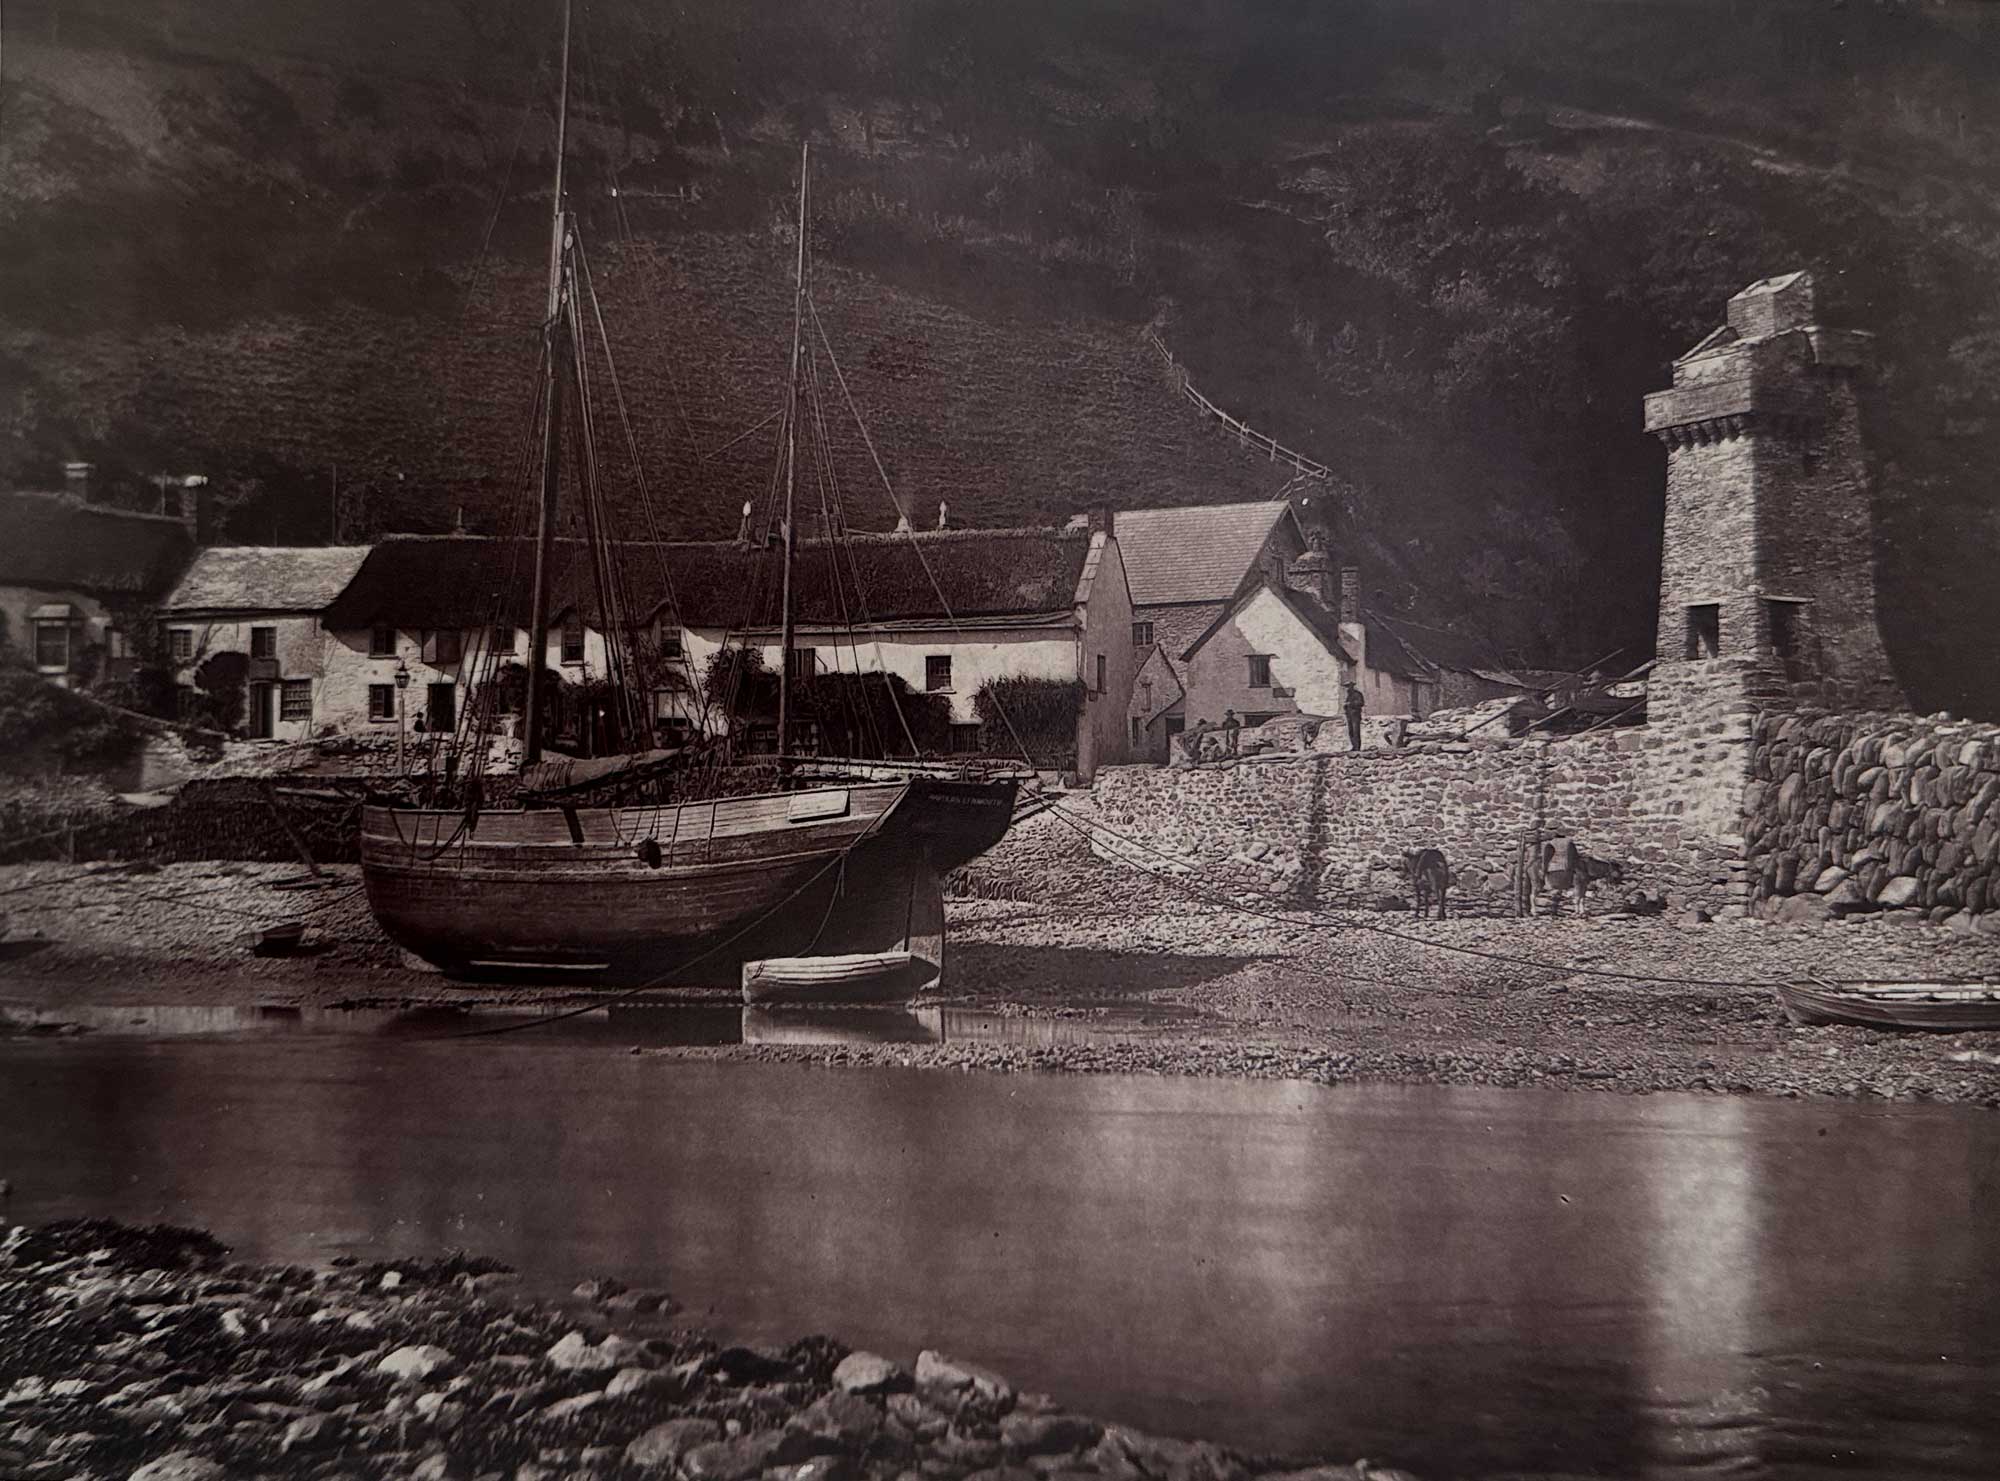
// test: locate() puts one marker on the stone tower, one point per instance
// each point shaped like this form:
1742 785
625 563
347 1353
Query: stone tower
1767 582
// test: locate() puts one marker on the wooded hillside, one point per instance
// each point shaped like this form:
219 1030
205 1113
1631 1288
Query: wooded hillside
1443 247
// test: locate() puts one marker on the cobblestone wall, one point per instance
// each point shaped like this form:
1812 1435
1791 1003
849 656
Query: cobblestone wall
1852 812
1327 828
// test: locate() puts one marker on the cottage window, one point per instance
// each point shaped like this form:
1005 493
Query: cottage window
263 642
1704 630
1260 671
1138 731
1101 683
503 640
295 700
444 648
381 701
937 671
572 639
382 641
443 707
116 644
1142 635
180 642
52 646
670 640
1146 695
801 663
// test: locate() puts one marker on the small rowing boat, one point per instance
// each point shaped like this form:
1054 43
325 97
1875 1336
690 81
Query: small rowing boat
279 940
1941 1007
850 977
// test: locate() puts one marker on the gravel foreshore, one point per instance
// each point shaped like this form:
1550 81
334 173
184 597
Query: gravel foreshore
1610 1002
144 1355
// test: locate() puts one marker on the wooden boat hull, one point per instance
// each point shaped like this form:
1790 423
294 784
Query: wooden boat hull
1938 1008
830 871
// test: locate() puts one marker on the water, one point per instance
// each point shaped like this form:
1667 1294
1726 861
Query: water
1471 1282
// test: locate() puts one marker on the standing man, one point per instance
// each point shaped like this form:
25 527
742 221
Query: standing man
1231 724
1353 707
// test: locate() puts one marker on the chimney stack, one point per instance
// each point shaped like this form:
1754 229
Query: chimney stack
902 523
1311 574
1103 520
1350 594
941 513
743 529
76 480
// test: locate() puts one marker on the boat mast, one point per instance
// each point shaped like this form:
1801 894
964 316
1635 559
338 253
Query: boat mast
555 347
791 461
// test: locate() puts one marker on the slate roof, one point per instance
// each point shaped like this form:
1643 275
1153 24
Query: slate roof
1176 628
1387 653
1196 554
266 578
52 540
1447 650
430 581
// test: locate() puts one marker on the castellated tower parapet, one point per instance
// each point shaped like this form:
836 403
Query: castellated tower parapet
1767 585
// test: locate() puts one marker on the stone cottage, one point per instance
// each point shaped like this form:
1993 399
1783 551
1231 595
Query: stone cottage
1294 647
263 604
1186 567
77 577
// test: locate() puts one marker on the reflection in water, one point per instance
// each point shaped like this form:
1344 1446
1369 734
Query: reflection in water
644 1025
1465 1280
1702 1189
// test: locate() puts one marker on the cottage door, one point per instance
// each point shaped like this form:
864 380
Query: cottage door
263 711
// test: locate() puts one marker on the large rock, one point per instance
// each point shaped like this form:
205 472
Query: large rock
651 1381
732 1460
415 1363
664 1444
1048 1434
845 1420
870 1373
1898 892
1802 910
311 1432
576 1354
935 1370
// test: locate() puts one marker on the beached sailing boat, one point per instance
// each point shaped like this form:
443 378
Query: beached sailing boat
804 893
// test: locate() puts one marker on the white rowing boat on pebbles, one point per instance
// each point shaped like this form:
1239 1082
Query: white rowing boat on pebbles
850 977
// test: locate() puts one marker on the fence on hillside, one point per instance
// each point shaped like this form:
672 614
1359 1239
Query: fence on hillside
1244 433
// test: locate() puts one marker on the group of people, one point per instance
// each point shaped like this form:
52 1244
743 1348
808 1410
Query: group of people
1230 726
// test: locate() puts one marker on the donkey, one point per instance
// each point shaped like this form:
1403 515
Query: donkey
1430 877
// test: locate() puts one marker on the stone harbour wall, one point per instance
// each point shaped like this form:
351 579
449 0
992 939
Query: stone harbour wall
1328 828
1847 813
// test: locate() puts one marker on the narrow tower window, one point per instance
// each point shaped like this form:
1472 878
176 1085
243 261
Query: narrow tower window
1704 635
1782 618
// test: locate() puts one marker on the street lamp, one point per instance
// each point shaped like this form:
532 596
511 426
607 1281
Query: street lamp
402 683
